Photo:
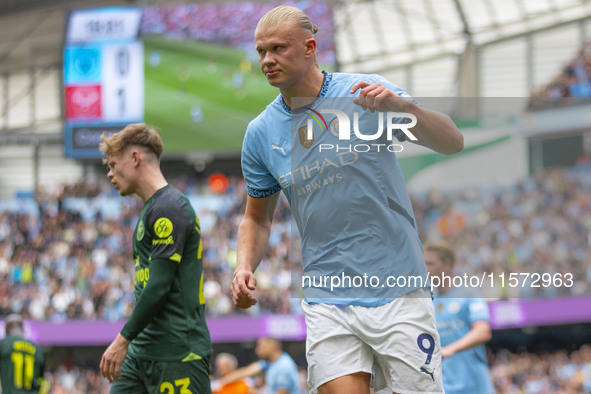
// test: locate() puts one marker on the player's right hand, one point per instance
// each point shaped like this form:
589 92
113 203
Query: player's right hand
243 284
113 358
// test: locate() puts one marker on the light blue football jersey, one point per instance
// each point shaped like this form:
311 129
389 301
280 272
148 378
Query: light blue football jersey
466 371
351 205
281 374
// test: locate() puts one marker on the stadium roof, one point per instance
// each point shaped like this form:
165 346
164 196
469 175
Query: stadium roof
383 33
403 39
371 35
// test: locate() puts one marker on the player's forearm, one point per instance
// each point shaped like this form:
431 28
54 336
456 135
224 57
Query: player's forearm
152 298
436 130
253 241
241 373
480 333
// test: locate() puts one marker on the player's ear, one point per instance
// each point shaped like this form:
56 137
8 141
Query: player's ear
310 44
135 157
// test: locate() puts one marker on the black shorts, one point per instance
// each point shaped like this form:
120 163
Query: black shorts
168 377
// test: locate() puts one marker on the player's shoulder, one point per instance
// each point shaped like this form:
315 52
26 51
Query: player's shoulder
10 341
263 121
349 79
338 77
169 198
169 193
287 361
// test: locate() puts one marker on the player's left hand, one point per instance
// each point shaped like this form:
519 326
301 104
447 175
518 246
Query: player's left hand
377 97
113 358
447 351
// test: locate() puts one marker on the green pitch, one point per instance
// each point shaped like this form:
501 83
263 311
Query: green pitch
195 97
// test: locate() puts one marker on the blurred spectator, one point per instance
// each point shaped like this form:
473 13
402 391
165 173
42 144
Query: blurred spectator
225 364
512 373
74 262
573 81
232 24
530 373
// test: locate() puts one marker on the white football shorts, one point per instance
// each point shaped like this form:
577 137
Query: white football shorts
397 343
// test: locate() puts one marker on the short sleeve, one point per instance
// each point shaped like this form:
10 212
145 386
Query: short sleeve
477 310
170 226
264 365
260 182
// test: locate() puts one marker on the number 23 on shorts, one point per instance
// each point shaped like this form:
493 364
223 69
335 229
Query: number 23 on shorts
168 388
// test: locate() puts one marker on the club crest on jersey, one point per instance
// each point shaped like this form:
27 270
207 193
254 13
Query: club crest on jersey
141 231
334 127
305 135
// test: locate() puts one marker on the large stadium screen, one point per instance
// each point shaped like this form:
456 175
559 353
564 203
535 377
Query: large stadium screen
103 76
189 70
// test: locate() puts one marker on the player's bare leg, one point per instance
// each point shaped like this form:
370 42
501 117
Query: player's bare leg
356 383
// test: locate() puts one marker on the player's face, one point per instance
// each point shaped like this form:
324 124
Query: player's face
121 172
434 264
282 54
223 367
263 349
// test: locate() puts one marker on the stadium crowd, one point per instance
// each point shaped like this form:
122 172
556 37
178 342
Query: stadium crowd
557 372
540 225
512 373
75 380
230 24
65 256
574 80
69 258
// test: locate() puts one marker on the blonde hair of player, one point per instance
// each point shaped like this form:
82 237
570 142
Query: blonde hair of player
444 251
285 14
137 134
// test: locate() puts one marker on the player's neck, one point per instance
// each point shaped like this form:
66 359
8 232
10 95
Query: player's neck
150 183
308 85
275 357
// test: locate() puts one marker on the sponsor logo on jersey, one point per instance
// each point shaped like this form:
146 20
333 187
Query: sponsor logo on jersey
334 127
142 276
163 241
163 227
279 147
141 231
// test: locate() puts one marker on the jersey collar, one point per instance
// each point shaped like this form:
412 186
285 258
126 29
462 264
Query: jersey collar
321 93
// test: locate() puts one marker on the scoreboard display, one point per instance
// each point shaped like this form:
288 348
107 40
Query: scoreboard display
103 76
171 66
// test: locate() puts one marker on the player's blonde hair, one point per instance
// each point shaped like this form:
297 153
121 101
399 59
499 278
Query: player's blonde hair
137 134
443 249
286 14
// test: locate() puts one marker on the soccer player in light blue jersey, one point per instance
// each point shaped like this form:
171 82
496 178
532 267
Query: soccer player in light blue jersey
463 324
281 372
353 213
